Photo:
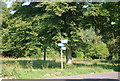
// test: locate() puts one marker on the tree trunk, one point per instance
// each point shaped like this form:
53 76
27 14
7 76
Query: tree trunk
69 56
45 54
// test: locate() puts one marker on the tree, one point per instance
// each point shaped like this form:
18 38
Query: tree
112 27
95 48
2 5
19 35
35 27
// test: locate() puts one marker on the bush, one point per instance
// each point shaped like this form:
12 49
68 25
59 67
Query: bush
79 54
52 53
37 56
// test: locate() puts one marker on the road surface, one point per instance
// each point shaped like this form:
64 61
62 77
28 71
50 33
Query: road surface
106 75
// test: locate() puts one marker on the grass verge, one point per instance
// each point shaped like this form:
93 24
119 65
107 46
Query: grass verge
38 69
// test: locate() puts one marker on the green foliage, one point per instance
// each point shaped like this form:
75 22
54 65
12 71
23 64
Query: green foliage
37 56
101 50
32 29
52 53
95 48
95 10
79 54
114 48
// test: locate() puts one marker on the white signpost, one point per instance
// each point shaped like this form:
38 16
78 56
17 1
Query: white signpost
60 44
64 41
62 48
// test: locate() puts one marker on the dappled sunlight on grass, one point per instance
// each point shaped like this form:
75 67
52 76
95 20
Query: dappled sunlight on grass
31 68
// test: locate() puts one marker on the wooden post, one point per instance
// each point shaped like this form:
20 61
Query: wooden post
61 59
44 54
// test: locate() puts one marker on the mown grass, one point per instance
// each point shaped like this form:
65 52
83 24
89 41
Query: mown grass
37 69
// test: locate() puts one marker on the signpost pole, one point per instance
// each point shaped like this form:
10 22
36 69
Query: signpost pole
62 48
61 59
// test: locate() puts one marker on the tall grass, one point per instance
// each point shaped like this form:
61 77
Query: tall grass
36 69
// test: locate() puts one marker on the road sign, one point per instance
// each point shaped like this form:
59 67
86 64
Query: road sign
63 48
60 44
64 41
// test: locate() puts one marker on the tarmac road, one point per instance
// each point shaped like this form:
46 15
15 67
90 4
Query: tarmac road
106 75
